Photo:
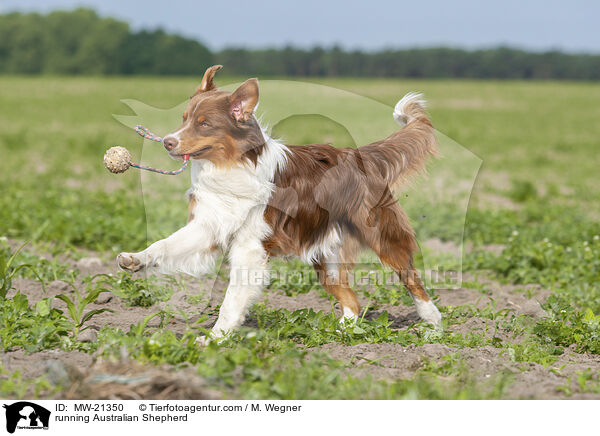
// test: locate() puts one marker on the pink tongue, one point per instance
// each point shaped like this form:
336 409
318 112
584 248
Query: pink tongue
186 157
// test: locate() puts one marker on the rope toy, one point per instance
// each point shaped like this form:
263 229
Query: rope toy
118 159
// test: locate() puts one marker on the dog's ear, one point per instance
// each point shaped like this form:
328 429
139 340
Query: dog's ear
244 99
207 83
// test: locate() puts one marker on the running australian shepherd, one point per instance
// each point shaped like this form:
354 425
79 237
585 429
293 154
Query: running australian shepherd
254 197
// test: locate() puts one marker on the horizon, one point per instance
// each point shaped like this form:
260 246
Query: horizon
474 28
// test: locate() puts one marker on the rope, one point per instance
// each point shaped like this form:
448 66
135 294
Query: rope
147 134
142 131
156 170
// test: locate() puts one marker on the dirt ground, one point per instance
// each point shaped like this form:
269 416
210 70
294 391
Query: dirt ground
381 361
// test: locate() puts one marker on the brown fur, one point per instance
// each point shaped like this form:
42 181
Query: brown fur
215 126
351 189
338 286
191 206
207 83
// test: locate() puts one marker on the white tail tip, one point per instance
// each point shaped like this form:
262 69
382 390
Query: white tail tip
400 114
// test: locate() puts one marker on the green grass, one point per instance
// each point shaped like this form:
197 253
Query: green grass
536 196
14 385
32 328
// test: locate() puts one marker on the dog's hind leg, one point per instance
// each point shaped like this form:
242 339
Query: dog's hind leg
333 275
393 241
410 277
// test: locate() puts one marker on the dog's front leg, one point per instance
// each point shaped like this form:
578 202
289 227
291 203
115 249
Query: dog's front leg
248 276
189 250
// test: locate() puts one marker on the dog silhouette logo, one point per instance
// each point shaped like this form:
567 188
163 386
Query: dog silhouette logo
26 415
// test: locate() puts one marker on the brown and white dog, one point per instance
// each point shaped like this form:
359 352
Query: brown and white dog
254 197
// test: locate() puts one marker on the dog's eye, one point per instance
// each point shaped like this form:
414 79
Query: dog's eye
203 124
185 117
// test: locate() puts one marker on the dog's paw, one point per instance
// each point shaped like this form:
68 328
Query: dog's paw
203 341
216 338
348 318
129 262
429 313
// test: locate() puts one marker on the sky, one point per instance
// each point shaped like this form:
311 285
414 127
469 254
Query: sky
368 24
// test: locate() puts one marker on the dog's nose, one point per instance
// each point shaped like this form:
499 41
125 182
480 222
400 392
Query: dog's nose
170 142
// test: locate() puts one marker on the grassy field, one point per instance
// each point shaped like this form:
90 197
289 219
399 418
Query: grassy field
524 324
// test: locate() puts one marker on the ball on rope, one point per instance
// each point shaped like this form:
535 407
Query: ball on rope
117 159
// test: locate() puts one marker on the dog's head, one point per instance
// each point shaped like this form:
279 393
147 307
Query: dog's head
219 126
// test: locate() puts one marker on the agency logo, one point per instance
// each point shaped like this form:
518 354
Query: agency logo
26 415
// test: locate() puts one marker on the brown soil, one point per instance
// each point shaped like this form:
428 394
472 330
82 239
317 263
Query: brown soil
529 380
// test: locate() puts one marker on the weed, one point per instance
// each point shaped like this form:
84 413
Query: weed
7 271
135 292
567 326
76 308
13 385
31 329
522 191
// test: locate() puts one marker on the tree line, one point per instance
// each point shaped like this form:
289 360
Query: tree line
81 42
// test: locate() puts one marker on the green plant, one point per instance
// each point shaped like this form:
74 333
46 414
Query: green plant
522 190
586 381
32 329
567 326
293 277
135 292
7 271
13 385
46 270
76 308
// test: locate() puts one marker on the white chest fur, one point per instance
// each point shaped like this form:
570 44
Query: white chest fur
229 199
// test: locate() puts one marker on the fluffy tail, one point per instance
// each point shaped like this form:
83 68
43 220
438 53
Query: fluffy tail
410 107
406 151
